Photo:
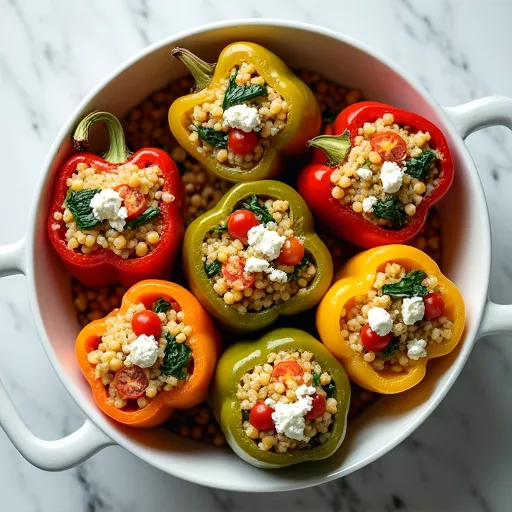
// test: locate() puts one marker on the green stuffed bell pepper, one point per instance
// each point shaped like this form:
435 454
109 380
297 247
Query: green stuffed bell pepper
256 256
281 400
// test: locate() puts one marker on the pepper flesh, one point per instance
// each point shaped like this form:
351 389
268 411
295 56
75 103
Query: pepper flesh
304 116
204 342
356 278
315 184
242 358
103 267
200 283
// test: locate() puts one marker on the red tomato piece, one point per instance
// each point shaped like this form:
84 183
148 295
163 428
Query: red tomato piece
131 382
434 305
372 341
147 322
240 222
134 200
318 407
260 416
287 369
235 275
242 143
292 252
390 146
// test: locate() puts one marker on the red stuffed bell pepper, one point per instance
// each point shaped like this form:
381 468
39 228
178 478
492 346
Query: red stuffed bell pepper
116 219
385 168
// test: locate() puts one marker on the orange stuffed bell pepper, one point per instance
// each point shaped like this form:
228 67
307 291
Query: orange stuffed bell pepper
389 311
156 353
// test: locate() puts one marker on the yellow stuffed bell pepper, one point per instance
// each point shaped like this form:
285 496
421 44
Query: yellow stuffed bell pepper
248 110
388 313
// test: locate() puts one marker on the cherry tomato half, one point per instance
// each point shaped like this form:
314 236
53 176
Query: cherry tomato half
434 305
292 252
372 341
235 275
147 322
240 222
134 200
390 146
287 369
318 407
130 382
260 416
242 143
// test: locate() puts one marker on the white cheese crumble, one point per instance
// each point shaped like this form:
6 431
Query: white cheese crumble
413 310
254 264
265 241
369 203
143 351
278 276
289 418
416 349
304 390
243 117
380 321
364 174
391 176
106 205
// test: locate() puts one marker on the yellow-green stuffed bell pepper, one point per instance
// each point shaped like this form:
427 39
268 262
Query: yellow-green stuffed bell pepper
281 400
256 256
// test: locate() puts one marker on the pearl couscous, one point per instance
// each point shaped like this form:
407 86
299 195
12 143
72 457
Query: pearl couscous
287 378
395 331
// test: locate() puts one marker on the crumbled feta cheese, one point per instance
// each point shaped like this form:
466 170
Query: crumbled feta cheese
254 264
391 176
143 351
243 117
266 242
416 349
106 205
289 418
380 321
413 310
304 390
364 174
278 276
369 203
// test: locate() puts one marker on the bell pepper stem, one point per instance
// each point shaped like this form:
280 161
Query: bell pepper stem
201 71
335 147
117 152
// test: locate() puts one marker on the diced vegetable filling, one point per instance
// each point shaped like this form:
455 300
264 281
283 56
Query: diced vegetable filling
287 404
398 321
388 172
237 122
142 353
117 210
255 260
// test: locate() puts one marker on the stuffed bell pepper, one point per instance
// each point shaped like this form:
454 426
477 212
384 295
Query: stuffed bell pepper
255 256
155 354
384 168
249 109
389 312
116 219
281 400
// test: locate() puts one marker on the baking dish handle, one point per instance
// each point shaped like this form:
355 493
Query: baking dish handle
49 455
468 118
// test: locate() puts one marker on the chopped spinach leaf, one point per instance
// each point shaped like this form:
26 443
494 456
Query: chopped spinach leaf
213 268
161 306
79 203
253 205
367 164
176 356
393 210
316 379
329 388
245 415
236 94
143 218
420 167
314 441
390 350
409 286
219 229
213 137
299 268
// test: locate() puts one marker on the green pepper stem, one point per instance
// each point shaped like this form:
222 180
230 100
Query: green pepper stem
201 71
117 152
335 147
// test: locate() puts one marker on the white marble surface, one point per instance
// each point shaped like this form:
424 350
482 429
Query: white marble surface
53 51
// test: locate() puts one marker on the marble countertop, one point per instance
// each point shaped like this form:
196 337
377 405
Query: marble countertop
52 52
